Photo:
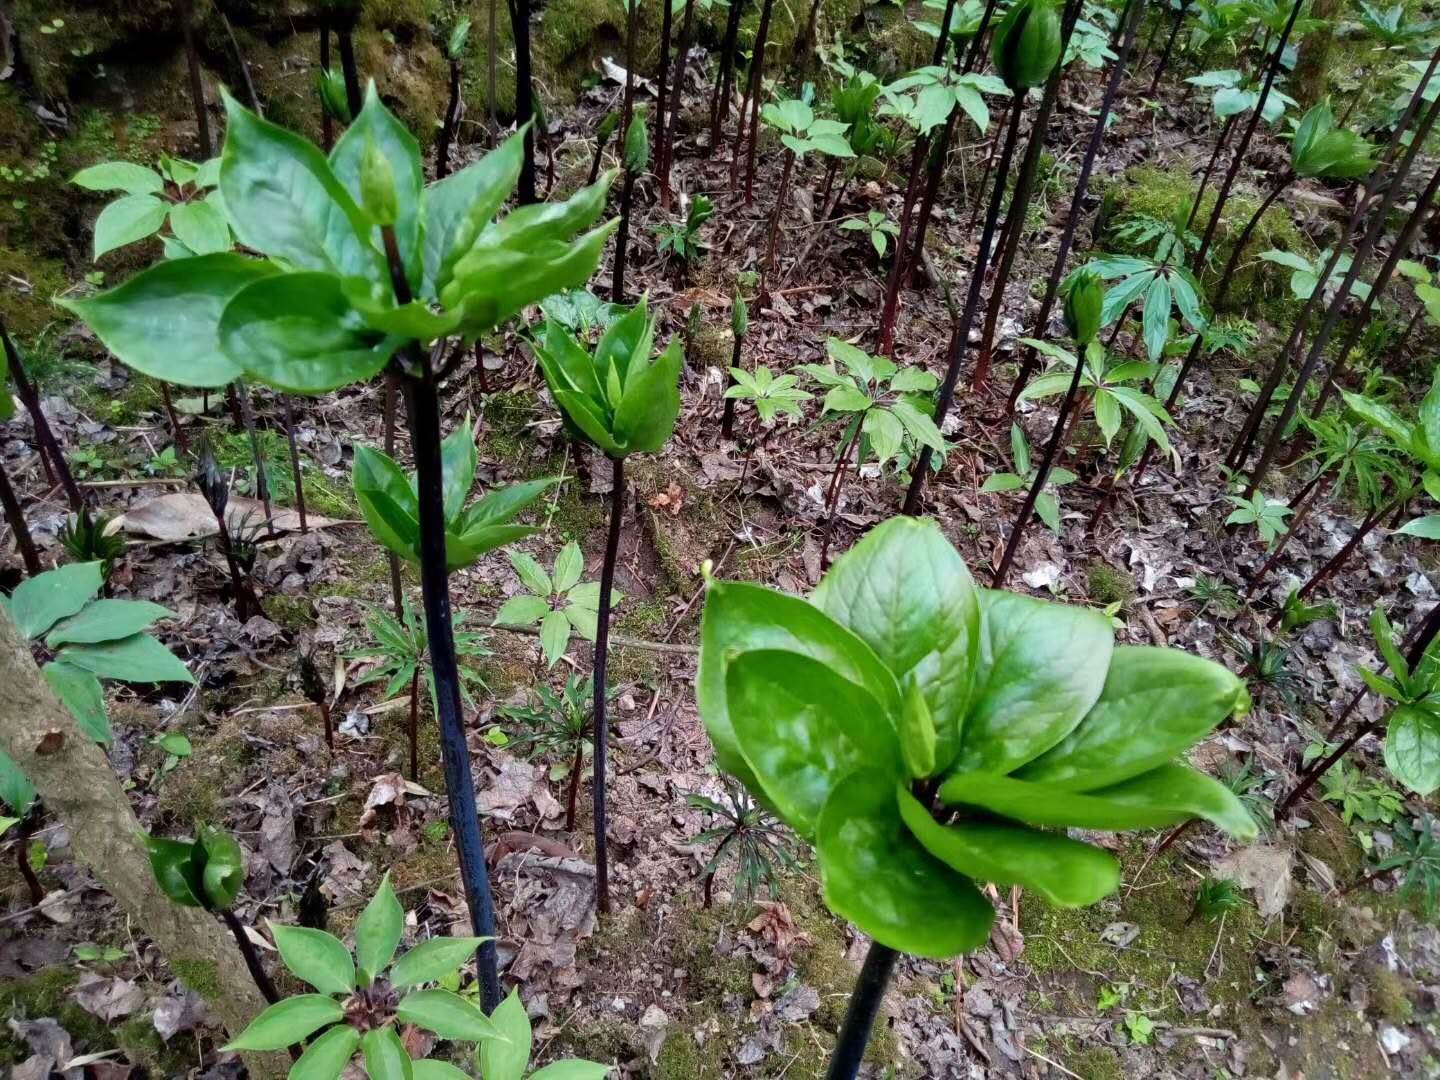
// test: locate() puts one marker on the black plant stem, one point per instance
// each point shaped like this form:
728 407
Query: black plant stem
977 43
240 62
1305 501
959 342
934 176
1020 197
252 958
23 832
622 237
262 482
724 77
44 434
757 71
572 795
197 88
627 185
1224 137
447 127
832 497
1421 643
727 415
182 443
667 135
600 142
1272 68
602 648
1134 11
1398 250
413 728
423 401
392 392
768 267
1169 46
492 63
805 43
327 123
15 517
345 39
1042 474
889 308
295 462
524 95
861 1012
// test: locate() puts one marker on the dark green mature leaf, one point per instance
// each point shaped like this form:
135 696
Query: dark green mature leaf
433 960
385 1056
165 321
499 505
907 593
1041 666
802 728
646 414
284 200
448 1015
287 1022
506 1058
138 658
1161 797
1064 871
458 207
378 930
127 219
81 693
38 603
326 1057
318 958
299 332
175 869
106 620
1156 703
740 617
1412 748
462 549
16 790
457 467
876 875
378 124
387 502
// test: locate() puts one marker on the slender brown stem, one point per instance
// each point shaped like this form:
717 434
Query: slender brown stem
262 481
724 77
832 498
252 958
392 392
602 647
15 517
413 730
23 833
327 122
197 89
296 478
572 796
44 434
1306 501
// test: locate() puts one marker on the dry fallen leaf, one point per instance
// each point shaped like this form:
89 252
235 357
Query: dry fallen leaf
670 499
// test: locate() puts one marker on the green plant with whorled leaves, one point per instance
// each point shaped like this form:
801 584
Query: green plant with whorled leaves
879 228
900 688
1047 503
558 600
1412 729
1266 514
746 831
681 239
556 725
1157 285
1418 440
390 503
1417 855
179 193
361 999
1105 387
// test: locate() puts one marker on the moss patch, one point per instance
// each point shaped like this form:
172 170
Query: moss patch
1107 585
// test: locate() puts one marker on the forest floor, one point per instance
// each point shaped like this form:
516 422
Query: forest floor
1309 977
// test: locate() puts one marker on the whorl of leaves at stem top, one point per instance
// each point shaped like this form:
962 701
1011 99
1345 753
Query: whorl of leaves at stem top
1084 304
899 678
206 872
1027 44
455 46
1321 149
739 316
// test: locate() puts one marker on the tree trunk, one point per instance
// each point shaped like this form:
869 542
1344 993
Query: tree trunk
1311 75
80 789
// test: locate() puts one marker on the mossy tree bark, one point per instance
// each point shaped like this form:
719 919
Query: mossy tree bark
80 789
1312 63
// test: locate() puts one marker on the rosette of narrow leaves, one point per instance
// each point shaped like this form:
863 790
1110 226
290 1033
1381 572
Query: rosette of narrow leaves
899 678
1026 46
1105 383
388 500
925 98
557 600
1412 730
617 397
90 639
207 872
1418 439
772 395
1321 149
317 310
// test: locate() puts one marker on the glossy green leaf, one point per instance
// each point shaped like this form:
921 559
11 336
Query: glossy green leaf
448 1015
433 960
386 500
506 1058
1064 871
1412 748
127 219
106 620
646 415
326 1057
917 733
138 658
120 176
1041 667
285 201
906 592
38 603
740 617
876 875
176 872
1156 799
385 1056
458 207
430 1069
165 321
299 332
80 692
462 549
378 930
554 636
523 610
16 790
318 958
457 467
287 1022
573 1069
1156 703
200 227
499 505
532 575
569 565
223 871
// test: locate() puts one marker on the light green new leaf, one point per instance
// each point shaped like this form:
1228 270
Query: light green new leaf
287 1022
138 658
200 227
378 930
120 176
448 1015
127 219
1412 748
106 620
318 958
385 1056
327 1056
458 207
38 603
433 960
506 1058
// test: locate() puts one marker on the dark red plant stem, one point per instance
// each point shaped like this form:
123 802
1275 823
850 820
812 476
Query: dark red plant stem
44 434
727 415
328 721
182 443
23 832
600 142
832 497
392 392
977 43
602 647
297 480
1341 557
240 62
15 518
197 88
1169 46
447 127
1272 68
262 481
252 958
708 885
622 238
524 95
662 95
1011 108
890 306
345 39
627 186
1305 501
1225 130
480 367
667 137
724 77
757 71
805 44
1028 360
959 342
572 795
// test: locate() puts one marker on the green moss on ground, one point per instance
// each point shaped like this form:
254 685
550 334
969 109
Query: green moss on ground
1105 584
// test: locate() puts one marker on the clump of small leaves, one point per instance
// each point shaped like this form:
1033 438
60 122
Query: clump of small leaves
178 192
87 538
557 726
877 226
1212 592
745 830
1214 898
1296 614
1266 514
1361 798
1246 783
1047 503
1267 668
1412 729
773 396
1417 855
558 600
681 240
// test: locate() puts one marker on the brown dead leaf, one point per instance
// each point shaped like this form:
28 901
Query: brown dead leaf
108 998
669 500
185 515
777 927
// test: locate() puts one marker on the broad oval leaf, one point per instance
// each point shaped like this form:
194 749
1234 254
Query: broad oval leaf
1412 748
876 875
287 1022
433 960
1041 666
386 500
318 958
1064 871
80 692
173 864
431 1069
906 592
378 930
646 414
138 658
385 1056
506 1058
120 176
327 1056
448 1015
200 227
458 207
127 219
105 620
1155 704
38 603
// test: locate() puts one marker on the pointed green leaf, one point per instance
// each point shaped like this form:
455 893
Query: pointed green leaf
287 1022
38 603
433 960
326 1057
318 958
378 930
